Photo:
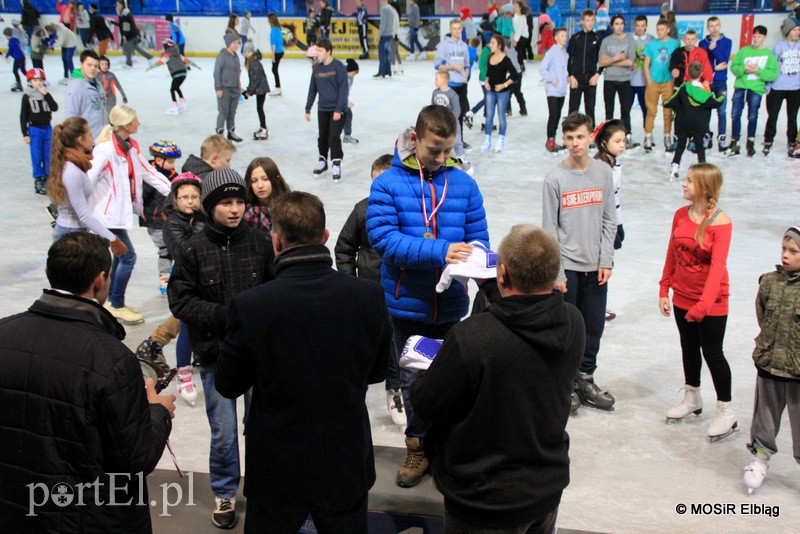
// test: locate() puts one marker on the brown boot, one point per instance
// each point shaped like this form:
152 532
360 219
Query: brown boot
415 466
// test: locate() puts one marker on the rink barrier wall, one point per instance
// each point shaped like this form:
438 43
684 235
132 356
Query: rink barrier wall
344 34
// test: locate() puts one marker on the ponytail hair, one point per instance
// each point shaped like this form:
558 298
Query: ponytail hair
707 180
603 135
119 116
65 135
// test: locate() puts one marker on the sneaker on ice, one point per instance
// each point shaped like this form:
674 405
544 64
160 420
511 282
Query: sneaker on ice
186 387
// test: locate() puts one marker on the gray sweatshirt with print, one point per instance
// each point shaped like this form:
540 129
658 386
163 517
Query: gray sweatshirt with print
612 46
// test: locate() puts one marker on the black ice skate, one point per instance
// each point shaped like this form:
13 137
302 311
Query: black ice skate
751 147
591 395
766 149
735 148
322 166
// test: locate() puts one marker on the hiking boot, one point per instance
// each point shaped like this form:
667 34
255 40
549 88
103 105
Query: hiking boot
415 466
152 351
224 515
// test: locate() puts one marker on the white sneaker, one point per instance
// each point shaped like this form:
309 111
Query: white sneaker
394 402
186 386
182 106
724 423
124 314
501 143
224 515
691 403
755 473
675 173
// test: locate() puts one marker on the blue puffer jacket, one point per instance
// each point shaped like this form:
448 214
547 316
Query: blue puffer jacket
412 264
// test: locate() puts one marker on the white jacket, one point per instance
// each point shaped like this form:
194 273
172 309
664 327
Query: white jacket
65 38
520 23
116 195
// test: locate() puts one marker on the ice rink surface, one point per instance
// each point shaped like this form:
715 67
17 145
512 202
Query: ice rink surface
629 469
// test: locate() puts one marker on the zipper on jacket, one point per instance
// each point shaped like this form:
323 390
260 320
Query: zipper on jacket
397 284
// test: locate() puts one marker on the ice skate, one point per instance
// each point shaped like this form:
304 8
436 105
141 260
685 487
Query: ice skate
336 170
40 185
692 403
734 149
610 315
276 92
724 423
16 88
794 150
690 146
152 352
675 173
670 144
501 143
722 144
766 149
551 145
394 402
124 314
322 166
487 143
648 143
591 395
182 107
63 81
349 139
467 146
751 147
233 137
708 140
755 473
173 109
261 134
186 387
468 119
629 143
574 403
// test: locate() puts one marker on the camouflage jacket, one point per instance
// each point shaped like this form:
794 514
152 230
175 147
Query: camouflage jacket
778 312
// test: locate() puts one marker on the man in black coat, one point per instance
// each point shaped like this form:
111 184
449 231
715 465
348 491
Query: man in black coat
309 343
74 406
497 396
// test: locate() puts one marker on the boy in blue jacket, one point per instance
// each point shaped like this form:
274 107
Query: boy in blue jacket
421 215
15 51
719 53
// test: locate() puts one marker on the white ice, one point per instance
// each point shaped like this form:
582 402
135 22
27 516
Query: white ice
629 469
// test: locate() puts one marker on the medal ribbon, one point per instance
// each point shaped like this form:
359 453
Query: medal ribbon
422 189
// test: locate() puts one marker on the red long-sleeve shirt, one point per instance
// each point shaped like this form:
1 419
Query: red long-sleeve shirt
698 276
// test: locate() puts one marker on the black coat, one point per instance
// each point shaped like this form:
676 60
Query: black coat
98 27
584 51
308 343
497 396
30 16
127 26
211 267
73 409
354 256
692 114
180 227
259 85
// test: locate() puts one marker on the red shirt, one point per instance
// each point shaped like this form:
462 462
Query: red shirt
698 276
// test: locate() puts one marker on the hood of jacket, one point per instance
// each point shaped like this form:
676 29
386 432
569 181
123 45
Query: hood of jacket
540 320
696 94
405 154
196 166
32 93
257 55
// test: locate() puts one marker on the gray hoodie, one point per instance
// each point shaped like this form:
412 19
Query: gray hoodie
226 71
387 13
85 99
453 52
554 71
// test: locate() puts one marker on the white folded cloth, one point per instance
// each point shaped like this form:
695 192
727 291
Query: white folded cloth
481 265
419 352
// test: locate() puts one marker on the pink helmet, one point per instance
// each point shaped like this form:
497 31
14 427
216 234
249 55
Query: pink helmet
544 18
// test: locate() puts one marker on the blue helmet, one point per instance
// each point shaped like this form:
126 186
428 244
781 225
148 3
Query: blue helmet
165 149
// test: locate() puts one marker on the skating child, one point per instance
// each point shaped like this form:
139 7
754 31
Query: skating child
610 141
554 72
546 34
692 104
38 47
265 184
258 86
352 72
164 154
638 78
444 95
15 52
185 221
241 259
177 66
777 359
696 270
754 66
110 84
355 256
35 116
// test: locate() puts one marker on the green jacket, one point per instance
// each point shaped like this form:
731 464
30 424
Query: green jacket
483 63
767 68
778 312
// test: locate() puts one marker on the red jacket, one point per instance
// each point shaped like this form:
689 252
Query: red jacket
698 276
681 59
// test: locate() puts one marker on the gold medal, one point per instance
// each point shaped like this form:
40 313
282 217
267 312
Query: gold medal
427 235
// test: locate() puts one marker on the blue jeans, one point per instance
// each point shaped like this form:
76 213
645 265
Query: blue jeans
722 125
496 101
404 329
413 40
66 59
589 297
384 60
59 231
753 104
223 459
637 93
183 351
482 103
41 139
121 270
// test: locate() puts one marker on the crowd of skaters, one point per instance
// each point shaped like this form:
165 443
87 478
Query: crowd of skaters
446 235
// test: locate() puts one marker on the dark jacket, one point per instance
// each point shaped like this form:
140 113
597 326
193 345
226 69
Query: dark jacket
196 166
354 255
127 26
325 16
777 352
692 106
309 443
330 81
180 227
584 51
153 201
497 396
681 59
259 85
98 27
37 109
212 267
74 409
30 16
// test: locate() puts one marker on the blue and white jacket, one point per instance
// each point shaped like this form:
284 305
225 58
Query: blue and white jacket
412 264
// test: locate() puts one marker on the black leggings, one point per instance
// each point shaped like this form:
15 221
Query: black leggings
610 91
175 88
699 147
707 335
554 105
275 62
262 119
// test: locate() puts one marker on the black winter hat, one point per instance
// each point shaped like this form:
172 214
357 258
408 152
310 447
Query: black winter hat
352 66
220 184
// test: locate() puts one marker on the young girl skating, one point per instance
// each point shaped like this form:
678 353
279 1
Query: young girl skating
276 42
265 184
176 63
258 87
695 269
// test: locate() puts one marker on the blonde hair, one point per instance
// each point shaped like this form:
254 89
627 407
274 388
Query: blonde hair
215 144
707 180
119 116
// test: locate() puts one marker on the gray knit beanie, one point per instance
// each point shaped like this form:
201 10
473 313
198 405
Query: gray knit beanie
220 184
793 233
229 38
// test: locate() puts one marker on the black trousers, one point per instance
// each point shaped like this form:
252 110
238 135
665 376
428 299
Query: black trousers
683 138
705 336
516 91
610 91
329 132
264 516
362 37
463 102
589 94
175 88
275 62
262 118
775 100
554 106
